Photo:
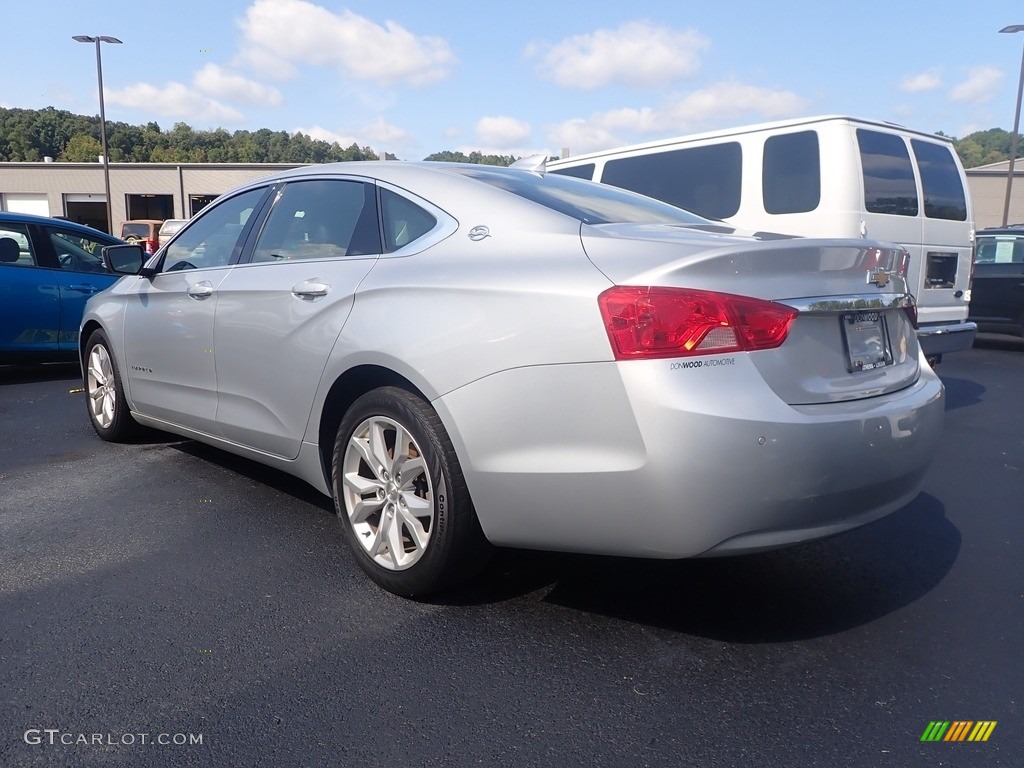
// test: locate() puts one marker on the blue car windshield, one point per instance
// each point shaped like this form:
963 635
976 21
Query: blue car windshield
586 201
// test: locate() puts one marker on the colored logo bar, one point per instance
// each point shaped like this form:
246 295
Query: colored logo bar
958 730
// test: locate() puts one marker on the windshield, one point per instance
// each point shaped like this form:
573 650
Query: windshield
586 201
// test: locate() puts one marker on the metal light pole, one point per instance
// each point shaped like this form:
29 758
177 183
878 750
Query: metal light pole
1016 126
103 119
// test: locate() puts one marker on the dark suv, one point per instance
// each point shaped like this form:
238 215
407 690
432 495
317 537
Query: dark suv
997 291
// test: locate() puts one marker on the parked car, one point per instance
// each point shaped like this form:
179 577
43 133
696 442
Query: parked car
48 268
464 356
143 231
997 289
168 229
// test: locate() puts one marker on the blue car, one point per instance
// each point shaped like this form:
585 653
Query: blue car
48 269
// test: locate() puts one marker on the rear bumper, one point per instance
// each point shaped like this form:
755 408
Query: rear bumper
946 337
643 459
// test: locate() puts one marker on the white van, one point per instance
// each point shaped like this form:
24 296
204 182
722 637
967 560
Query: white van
825 176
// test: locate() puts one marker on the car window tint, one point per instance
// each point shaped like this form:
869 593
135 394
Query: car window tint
15 247
212 239
320 219
791 173
944 196
705 180
77 252
889 185
404 221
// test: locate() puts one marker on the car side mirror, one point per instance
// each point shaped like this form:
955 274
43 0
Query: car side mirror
126 260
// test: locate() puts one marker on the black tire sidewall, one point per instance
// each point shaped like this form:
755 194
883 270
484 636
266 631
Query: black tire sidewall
122 426
455 537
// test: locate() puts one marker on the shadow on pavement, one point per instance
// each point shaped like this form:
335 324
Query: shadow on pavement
961 393
26 374
812 590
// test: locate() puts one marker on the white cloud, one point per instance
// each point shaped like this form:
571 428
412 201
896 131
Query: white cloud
923 81
174 100
980 85
638 53
721 104
217 81
502 131
377 133
282 33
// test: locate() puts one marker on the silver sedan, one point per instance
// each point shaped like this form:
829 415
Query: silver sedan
464 356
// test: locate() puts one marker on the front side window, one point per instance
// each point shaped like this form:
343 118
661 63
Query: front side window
214 239
77 252
320 219
944 196
705 180
791 173
15 247
889 185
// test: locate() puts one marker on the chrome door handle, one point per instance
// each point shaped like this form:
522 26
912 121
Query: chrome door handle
310 289
90 289
201 290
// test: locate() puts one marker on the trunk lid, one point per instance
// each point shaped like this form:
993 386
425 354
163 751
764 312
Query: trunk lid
852 339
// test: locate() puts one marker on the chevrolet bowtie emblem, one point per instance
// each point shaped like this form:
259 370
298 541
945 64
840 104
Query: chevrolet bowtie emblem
879 277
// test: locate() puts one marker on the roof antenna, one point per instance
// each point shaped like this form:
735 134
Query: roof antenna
536 163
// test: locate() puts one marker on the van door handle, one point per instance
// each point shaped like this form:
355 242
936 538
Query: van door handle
201 290
310 289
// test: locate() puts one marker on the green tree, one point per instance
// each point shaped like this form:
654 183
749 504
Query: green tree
82 148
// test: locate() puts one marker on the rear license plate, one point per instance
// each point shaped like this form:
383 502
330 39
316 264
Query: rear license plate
867 341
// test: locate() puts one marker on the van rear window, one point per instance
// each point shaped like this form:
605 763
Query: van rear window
944 196
889 185
585 171
703 180
791 173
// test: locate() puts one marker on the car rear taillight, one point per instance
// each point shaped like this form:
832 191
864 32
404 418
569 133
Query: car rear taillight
151 246
911 310
678 322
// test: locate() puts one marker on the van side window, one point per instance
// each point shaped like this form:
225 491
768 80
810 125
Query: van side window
889 185
703 180
791 173
585 171
944 196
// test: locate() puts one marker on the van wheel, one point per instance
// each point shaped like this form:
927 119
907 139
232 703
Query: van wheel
401 497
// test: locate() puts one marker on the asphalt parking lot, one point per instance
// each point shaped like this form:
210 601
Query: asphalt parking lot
168 592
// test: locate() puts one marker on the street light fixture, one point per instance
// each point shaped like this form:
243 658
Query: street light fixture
103 118
1016 125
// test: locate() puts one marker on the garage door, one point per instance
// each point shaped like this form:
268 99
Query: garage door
35 202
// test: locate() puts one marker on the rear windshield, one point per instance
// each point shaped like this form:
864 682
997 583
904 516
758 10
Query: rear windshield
944 196
1000 249
139 230
586 201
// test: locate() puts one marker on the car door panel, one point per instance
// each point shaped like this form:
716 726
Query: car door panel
279 316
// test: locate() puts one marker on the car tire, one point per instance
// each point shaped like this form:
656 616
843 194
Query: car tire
105 401
401 496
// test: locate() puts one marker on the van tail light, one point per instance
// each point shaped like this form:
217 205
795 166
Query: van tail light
647 322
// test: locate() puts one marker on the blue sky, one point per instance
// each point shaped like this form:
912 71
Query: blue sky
416 77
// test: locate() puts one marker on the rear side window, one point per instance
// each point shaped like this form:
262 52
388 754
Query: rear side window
15 247
704 180
404 221
944 196
791 176
889 185
585 171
